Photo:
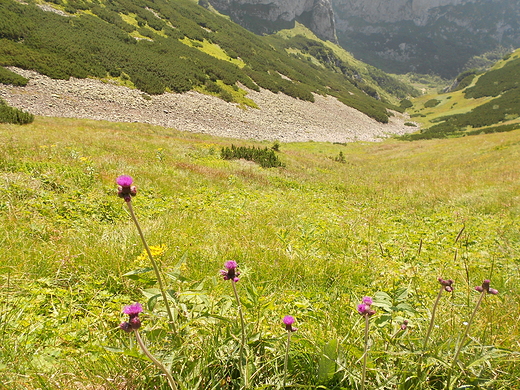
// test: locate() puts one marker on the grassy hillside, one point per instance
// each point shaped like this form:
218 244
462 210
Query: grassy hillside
160 46
479 103
337 223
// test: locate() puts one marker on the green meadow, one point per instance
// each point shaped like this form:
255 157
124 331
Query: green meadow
311 239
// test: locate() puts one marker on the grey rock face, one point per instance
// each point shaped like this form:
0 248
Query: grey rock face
267 16
392 11
426 36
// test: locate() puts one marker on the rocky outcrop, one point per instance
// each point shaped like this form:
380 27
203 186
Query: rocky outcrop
267 16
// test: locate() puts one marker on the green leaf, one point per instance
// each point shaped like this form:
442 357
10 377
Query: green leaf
401 294
136 273
327 363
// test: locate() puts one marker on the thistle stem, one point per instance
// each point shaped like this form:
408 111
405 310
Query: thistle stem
155 267
365 353
463 338
243 334
286 360
161 366
432 320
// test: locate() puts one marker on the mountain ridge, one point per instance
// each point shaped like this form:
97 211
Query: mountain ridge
399 36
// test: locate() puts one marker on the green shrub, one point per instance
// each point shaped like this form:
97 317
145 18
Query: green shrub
266 158
8 77
495 129
13 115
441 130
431 103
405 103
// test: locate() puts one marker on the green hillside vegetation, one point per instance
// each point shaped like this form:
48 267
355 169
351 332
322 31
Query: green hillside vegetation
13 115
304 44
481 103
311 240
179 46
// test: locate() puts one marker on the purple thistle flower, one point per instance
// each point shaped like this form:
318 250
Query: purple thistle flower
288 321
133 310
365 310
125 189
404 325
230 272
134 322
364 307
124 181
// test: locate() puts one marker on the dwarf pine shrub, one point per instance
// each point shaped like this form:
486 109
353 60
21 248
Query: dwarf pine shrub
10 114
267 158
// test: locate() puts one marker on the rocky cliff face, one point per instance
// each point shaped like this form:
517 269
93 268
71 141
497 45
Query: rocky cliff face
426 36
392 11
267 16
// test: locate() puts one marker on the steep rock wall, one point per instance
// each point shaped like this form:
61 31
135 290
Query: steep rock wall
392 11
427 36
267 16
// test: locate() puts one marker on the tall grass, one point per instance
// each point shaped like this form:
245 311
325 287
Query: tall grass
311 239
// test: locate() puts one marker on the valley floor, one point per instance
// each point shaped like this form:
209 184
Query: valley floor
279 117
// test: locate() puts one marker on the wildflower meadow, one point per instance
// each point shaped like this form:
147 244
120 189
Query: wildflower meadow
136 257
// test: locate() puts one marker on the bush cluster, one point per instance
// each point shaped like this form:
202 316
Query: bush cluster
8 77
266 158
13 115
431 103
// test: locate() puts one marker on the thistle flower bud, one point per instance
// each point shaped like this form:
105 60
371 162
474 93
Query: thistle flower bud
486 287
125 326
448 284
135 322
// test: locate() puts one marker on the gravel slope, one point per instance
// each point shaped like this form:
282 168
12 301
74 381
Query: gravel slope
279 117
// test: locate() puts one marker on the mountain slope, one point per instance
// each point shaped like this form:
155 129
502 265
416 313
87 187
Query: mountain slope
479 103
163 46
438 37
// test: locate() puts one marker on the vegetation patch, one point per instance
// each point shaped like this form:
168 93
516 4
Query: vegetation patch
266 157
431 103
8 77
487 102
14 115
